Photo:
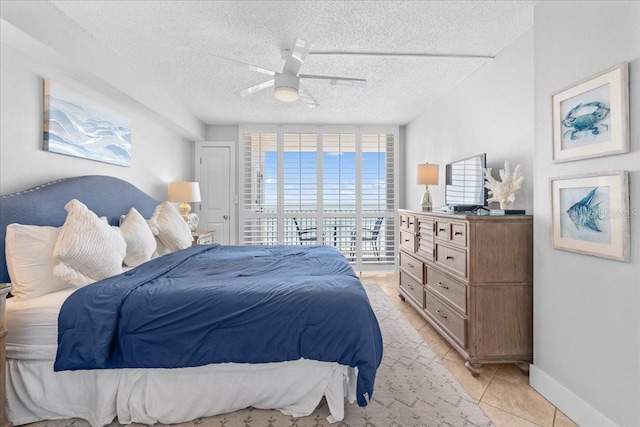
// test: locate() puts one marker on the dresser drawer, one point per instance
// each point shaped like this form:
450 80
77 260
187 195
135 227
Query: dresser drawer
448 289
408 241
413 288
459 233
446 317
453 259
408 223
404 221
412 266
442 230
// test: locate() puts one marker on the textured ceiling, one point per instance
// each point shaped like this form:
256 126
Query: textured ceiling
175 45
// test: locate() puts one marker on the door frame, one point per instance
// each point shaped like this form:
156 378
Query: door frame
233 191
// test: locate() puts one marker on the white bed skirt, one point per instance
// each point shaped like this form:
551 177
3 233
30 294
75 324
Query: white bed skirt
35 393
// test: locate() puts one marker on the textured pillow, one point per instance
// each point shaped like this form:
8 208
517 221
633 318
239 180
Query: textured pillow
170 228
140 240
87 249
30 261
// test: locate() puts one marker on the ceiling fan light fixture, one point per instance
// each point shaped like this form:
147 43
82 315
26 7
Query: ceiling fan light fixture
286 87
286 94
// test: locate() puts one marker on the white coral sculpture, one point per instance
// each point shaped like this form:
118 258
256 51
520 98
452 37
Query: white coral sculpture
503 191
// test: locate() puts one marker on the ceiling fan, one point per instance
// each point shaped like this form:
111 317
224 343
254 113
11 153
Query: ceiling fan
286 84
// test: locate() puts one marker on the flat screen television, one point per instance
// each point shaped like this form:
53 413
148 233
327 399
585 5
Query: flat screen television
465 189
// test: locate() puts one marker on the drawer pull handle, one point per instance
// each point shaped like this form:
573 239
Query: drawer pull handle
458 233
444 316
442 229
442 286
449 257
409 265
406 240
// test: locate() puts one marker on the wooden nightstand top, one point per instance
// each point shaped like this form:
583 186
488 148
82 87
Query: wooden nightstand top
204 237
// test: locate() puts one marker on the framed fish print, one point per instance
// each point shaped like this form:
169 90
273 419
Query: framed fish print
590 214
591 118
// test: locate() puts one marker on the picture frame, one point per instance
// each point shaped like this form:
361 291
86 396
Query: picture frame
591 118
78 126
590 214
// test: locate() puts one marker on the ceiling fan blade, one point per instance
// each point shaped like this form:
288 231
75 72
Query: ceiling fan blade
256 88
307 98
406 54
245 65
299 53
341 81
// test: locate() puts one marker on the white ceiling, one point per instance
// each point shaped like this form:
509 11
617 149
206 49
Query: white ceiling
173 45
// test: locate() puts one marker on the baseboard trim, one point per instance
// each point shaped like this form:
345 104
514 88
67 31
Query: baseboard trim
574 407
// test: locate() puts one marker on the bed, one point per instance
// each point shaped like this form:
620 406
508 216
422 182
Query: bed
224 327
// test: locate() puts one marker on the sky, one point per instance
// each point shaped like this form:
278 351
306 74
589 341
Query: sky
338 180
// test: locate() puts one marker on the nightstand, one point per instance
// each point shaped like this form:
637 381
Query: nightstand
4 290
203 237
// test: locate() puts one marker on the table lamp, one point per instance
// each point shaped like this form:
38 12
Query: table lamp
427 174
185 193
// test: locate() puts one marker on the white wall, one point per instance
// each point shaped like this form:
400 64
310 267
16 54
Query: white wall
586 309
490 112
222 133
159 155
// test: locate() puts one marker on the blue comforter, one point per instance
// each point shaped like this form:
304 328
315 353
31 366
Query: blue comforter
215 304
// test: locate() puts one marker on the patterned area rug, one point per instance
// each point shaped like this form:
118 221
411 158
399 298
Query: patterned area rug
413 388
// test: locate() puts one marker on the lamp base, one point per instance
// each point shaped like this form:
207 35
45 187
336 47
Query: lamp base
193 222
190 218
427 205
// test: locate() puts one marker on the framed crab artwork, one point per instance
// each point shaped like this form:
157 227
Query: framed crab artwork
591 118
590 214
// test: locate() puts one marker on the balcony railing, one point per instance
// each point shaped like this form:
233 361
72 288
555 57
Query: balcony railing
373 243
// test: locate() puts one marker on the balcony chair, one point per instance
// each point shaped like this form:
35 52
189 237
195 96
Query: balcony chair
306 235
369 236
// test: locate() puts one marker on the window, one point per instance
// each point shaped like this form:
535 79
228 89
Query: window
321 185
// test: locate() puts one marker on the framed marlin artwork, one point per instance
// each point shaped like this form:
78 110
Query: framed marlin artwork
591 118
590 214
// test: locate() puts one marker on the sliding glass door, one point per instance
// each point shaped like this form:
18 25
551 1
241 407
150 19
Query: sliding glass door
321 185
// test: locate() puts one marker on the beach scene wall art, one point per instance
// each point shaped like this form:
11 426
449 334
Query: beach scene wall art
77 126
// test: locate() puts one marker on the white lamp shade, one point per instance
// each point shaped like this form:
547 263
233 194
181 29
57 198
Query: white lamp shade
184 192
427 174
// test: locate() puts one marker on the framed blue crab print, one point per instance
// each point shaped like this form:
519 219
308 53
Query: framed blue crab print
591 118
590 214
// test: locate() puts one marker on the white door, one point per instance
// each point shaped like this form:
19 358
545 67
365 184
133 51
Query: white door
215 171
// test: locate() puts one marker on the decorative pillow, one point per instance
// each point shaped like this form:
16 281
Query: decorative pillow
30 261
87 249
140 240
170 228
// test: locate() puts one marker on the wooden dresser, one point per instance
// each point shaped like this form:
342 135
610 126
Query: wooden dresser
4 290
471 277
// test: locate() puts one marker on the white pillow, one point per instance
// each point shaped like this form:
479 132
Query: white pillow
87 249
30 261
140 240
170 228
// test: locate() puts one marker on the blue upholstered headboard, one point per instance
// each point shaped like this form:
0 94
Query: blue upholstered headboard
44 204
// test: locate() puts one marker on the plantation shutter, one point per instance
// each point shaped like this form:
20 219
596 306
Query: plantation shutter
378 198
333 186
260 183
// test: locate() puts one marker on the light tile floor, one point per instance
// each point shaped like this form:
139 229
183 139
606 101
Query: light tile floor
502 391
